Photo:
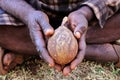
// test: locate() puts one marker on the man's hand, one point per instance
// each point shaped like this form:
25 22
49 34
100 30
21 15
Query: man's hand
39 28
78 21
37 22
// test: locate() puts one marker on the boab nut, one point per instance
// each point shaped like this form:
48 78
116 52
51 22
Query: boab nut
62 46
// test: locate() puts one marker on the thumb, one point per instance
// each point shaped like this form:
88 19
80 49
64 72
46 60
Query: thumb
79 30
46 27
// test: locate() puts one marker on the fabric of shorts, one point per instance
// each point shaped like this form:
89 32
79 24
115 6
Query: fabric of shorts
7 19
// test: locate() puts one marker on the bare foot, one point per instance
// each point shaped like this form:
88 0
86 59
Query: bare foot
10 60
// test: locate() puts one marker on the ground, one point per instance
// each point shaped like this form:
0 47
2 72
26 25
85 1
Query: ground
36 69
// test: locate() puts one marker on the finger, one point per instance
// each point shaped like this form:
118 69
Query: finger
46 57
58 67
44 54
79 30
8 59
66 70
77 61
72 27
71 24
46 27
37 38
80 56
6 68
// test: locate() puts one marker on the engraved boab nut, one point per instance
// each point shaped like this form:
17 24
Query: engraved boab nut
62 46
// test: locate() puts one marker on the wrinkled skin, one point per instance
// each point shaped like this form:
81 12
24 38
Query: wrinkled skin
39 29
26 47
78 23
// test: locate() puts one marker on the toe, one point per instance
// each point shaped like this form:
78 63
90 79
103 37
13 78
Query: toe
8 59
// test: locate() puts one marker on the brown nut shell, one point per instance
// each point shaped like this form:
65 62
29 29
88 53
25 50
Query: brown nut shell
62 46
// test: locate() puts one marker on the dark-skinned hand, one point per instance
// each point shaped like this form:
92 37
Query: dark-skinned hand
78 24
39 29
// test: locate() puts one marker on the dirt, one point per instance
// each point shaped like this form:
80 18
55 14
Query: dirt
36 69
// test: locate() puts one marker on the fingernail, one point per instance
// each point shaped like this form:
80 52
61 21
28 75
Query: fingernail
66 74
6 68
57 70
75 68
77 34
49 31
50 65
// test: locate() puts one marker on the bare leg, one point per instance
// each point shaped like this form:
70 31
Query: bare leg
101 53
110 32
104 52
17 40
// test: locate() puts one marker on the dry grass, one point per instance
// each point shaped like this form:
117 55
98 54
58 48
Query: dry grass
35 69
